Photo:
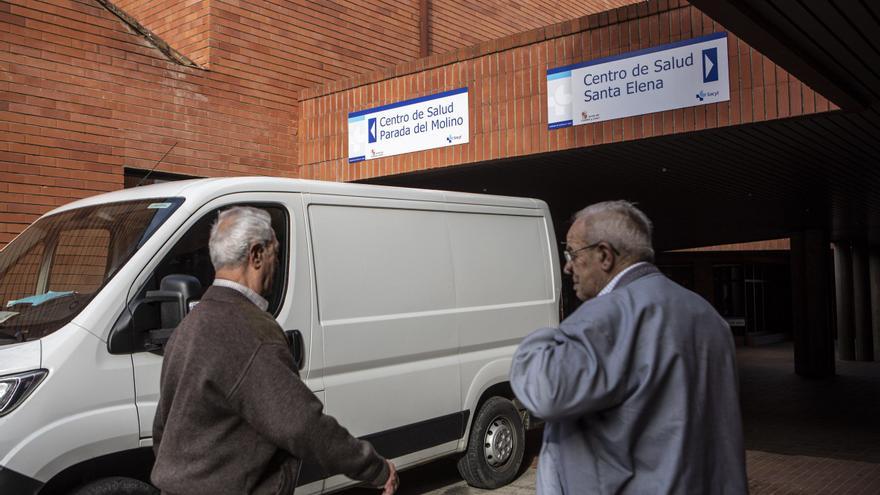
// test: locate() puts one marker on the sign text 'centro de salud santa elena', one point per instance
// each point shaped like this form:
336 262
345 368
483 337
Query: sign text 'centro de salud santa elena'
432 121
678 75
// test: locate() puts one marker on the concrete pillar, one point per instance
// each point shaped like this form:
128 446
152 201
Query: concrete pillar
843 292
811 298
874 284
864 346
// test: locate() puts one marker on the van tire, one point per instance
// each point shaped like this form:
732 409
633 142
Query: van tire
116 485
495 447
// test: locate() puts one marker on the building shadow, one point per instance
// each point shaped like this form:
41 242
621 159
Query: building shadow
787 414
441 476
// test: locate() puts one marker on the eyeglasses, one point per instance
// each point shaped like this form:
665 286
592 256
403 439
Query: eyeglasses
570 255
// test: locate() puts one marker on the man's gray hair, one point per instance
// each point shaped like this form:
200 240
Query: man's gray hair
622 225
235 231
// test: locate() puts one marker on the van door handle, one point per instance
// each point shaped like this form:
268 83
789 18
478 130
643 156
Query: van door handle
297 347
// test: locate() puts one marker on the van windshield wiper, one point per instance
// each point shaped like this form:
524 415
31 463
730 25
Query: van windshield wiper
6 339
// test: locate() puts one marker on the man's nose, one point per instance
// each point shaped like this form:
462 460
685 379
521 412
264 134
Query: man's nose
567 268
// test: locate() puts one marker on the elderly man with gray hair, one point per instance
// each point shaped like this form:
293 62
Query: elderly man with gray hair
638 387
233 415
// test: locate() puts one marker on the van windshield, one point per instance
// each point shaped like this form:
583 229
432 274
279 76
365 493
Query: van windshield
53 269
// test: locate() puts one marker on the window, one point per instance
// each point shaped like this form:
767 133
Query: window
190 256
81 257
54 268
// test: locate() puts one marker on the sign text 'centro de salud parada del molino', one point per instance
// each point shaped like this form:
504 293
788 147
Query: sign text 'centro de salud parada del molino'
678 75
432 121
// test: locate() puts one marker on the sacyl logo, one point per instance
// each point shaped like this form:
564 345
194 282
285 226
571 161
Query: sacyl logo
706 94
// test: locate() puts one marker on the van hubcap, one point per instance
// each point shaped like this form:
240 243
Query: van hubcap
499 442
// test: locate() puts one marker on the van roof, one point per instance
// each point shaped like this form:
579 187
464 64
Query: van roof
206 189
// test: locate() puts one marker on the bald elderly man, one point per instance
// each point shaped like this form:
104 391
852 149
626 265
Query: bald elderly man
638 387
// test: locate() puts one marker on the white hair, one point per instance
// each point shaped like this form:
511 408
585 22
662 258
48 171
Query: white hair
235 231
622 225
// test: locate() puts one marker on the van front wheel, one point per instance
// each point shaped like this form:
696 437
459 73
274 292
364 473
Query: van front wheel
495 447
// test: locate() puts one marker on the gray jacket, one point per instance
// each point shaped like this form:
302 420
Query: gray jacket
639 390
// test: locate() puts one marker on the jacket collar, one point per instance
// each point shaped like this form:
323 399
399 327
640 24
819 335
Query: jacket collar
225 295
636 273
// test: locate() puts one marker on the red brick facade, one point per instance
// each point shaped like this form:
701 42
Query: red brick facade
508 93
84 96
458 23
185 26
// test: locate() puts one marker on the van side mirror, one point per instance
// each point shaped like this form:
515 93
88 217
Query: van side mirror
152 319
173 297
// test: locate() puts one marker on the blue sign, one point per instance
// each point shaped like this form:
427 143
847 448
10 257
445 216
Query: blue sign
677 75
423 123
371 130
710 65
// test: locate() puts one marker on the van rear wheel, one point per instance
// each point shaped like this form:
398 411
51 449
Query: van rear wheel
495 446
116 485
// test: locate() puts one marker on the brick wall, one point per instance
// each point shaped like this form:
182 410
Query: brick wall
82 97
304 43
184 25
459 23
508 93
768 245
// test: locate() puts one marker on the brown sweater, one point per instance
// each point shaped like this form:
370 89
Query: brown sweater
234 416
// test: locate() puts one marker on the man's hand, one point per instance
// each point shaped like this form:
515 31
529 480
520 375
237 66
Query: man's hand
393 481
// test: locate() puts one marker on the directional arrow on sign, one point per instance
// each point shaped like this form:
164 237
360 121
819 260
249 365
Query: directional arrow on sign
710 64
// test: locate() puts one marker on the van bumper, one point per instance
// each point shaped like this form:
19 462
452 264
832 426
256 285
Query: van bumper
12 482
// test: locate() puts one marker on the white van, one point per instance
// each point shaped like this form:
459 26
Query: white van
403 306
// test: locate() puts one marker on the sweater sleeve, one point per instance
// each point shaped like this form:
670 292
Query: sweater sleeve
271 397
158 430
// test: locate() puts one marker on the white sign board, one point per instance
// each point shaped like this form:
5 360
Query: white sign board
678 75
424 123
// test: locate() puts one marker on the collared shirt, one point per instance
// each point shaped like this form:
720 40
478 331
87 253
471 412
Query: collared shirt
613 283
252 296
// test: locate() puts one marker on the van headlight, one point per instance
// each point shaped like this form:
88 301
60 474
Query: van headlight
15 388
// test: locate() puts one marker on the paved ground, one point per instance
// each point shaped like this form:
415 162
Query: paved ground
802 437
810 437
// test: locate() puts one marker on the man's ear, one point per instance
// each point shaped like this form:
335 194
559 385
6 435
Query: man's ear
257 254
607 259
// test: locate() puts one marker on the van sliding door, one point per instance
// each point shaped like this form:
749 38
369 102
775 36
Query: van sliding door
386 306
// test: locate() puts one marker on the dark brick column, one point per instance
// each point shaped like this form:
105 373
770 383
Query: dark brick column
874 284
843 296
811 298
864 342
